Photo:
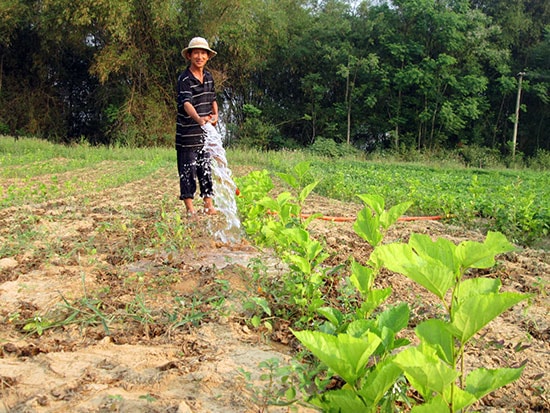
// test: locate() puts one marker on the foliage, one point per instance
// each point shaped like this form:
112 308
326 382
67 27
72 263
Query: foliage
417 74
55 161
330 149
361 346
479 157
359 340
254 132
541 160
278 223
515 203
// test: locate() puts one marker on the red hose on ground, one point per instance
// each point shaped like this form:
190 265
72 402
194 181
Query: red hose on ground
348 219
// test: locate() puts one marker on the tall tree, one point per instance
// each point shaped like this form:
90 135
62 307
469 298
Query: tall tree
434 54
524 28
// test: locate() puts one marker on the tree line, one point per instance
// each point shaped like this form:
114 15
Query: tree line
413 74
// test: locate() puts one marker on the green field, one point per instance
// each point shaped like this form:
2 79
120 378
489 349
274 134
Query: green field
515 202
95 247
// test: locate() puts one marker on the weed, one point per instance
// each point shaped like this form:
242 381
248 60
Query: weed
541 286
148 397
172 232
138 311
276 387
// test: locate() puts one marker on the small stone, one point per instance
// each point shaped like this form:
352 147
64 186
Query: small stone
10 348
184 408
42 400
8 263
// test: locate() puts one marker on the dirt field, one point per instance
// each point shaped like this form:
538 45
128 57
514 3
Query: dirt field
98 261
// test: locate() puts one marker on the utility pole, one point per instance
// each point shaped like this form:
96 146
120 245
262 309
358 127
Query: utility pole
516 119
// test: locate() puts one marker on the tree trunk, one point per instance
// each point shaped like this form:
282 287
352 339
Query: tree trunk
348 102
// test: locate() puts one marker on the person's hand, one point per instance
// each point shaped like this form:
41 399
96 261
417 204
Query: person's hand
214 119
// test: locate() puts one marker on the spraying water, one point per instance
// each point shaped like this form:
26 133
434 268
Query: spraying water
224 187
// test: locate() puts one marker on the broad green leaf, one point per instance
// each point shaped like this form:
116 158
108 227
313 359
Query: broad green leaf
313 249
304 193
388 339
284 197
388 218
289 179
288 212
347 356
400 342
331 314
290 393
473 254
263 304
301 168
477 286
429 273
435 333
269 203
367 226
298 235
379 381
440 250
358 328
362 277
460 398
341 400
483 381
475 312
395 318
374 299
256 321
376 202
426 372
300 264
435 405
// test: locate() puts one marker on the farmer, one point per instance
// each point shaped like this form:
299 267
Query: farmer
196 102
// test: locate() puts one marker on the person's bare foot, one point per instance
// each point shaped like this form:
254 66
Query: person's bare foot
189 207
209 207
210 211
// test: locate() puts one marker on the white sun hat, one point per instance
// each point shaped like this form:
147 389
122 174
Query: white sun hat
198 43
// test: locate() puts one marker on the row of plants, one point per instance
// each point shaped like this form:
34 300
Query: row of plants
34 171
514 202
357 338
469 156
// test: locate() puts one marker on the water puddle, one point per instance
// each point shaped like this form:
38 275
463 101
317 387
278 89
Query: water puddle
225 189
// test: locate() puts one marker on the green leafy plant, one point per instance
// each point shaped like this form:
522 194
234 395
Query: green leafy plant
362 352
277 223
171 230
276 388
440 266
374 220
362 345
358 347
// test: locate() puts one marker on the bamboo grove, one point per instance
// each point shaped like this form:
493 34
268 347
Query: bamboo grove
415 74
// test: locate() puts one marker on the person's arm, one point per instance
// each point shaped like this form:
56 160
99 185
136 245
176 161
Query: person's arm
190 110
214 117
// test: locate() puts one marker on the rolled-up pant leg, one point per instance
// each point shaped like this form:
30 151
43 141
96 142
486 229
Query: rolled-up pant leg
204 173
193 164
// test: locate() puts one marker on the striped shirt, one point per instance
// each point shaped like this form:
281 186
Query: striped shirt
189 133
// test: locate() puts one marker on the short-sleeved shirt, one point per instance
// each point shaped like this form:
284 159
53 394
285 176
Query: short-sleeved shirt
189 134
